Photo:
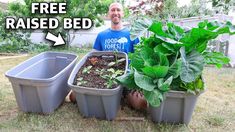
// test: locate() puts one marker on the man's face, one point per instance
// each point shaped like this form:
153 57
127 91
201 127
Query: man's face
115 13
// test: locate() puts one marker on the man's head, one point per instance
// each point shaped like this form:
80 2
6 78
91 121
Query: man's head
115 13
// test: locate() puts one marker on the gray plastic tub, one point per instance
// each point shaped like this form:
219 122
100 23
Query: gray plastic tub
95 102
40 83
177 108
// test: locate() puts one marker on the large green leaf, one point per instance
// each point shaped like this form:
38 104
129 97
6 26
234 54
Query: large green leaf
193 87
176 31
231 27
202 24
164 86
168 40
151 42
148 55
156 28
143 81
136 60
192 65
216 58
175 68
198 37
163 60
127 80
146 52
170 47
155 71
175 84
161 49
149 62
221 27
139 27
154 98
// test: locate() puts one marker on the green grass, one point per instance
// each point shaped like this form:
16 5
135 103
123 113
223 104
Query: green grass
215 109
215 120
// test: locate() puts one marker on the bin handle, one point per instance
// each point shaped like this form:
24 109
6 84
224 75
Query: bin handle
61 57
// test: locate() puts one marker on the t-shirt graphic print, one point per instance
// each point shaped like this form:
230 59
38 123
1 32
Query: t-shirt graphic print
115 44
113 40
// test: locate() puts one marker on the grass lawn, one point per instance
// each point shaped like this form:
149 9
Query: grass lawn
214 112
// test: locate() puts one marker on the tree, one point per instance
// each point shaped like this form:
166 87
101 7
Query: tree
223 6
93 9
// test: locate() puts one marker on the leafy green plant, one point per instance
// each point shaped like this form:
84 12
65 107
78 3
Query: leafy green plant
172 58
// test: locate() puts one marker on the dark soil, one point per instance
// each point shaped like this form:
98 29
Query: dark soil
94 79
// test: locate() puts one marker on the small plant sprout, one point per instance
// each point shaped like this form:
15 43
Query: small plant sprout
93 60
116 59
80 81
111 77
86 70
116 62
100 71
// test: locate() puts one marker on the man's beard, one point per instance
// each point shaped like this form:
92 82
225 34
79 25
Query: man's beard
115 23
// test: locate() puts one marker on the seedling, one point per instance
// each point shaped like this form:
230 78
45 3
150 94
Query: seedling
100 72
116 59
80 81
86 70
93 60
111 77
116 62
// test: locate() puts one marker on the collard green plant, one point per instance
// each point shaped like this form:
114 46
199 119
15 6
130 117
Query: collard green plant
172 58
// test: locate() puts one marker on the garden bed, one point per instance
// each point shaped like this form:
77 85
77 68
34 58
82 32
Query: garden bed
96 72
99 95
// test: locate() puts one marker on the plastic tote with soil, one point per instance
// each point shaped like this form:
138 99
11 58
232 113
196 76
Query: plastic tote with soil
93 82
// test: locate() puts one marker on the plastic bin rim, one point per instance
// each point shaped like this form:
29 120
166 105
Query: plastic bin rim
76 87
46 79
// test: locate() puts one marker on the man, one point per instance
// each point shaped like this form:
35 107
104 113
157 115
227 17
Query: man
117 37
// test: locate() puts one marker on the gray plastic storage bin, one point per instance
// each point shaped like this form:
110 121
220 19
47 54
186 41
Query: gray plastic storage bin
40 83
177 108
95 102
